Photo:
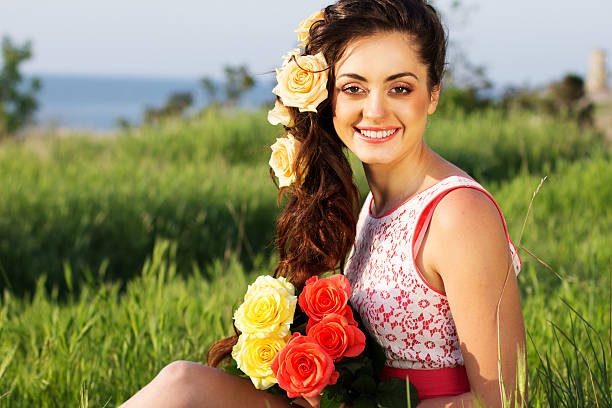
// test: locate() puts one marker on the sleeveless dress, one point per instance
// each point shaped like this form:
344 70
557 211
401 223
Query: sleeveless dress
411 320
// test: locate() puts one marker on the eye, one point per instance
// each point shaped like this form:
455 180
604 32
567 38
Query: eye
401 90
352 90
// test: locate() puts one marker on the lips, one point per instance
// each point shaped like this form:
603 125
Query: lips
376 134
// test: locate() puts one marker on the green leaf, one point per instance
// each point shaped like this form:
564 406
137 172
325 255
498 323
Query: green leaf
392 393
330 401
365 384
413 395
355 364
377 355
335 391
363 402
232 368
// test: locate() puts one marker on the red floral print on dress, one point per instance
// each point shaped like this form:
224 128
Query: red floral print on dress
408 318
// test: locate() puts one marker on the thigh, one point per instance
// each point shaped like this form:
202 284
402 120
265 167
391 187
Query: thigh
186 384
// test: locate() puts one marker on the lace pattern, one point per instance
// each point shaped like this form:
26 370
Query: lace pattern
409 319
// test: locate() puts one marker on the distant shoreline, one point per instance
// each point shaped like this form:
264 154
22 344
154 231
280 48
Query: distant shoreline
94 103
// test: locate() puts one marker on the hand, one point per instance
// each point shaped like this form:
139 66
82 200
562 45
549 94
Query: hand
308 402
312 402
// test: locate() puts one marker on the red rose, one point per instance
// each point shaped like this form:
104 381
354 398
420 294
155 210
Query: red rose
303 368
322 297
347 313
338 336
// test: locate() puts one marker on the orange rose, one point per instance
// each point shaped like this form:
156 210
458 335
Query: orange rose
322 297
303 86
303 30
338 336
282 158
303 368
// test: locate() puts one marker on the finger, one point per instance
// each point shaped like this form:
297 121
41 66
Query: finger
315 402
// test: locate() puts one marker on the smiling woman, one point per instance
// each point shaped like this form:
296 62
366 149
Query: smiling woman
379 113
432 269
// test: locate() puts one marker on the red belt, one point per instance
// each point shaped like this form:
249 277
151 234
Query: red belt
440 382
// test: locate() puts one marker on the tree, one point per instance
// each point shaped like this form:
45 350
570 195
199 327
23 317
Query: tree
238 80
568 91
210 89
17 98
176 105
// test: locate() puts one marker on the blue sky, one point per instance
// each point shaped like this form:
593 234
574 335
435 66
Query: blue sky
519 42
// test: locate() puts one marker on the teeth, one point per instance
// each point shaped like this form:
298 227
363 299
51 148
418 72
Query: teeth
377 135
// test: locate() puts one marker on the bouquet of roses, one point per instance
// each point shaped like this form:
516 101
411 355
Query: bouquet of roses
310 344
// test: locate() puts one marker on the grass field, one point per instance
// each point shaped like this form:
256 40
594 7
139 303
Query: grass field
121 255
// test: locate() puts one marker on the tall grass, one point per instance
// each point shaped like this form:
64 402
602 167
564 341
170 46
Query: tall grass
118 256
93 203
109 345
102 345
570 223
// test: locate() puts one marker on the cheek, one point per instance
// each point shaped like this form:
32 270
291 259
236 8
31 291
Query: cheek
345 113
341 131
421 104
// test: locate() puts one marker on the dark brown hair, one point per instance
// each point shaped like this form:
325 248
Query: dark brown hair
316 229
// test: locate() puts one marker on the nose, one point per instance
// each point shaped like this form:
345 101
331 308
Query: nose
374 107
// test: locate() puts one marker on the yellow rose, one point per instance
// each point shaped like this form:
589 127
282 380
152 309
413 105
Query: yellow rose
286 58
254 357
266 281
280 114
304 28
268 308
304 87
283 155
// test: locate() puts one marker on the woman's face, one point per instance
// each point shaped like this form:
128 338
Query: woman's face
381 99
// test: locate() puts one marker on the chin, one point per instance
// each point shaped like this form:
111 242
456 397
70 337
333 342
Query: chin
370 159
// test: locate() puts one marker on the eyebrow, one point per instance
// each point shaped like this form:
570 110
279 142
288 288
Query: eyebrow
390 78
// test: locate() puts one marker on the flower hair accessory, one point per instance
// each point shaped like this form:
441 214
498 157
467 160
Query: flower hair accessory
302 84
280 114
283 155
304 28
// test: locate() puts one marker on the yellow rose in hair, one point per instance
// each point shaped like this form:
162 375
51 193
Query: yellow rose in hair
286 58
302 84
254 357
304 28
283 155
280 114
268 308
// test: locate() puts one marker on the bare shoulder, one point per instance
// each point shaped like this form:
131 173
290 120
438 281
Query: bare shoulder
466 227
464 206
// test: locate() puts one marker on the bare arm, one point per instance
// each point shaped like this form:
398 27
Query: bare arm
468 249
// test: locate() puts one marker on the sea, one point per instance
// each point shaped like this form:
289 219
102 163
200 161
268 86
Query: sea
96 103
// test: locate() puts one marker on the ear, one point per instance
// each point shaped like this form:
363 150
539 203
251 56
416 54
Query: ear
434 98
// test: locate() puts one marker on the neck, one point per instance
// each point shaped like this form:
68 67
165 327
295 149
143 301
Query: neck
392 184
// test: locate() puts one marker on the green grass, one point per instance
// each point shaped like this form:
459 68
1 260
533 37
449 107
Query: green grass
570 223
119 256
92 202
100 203
106 344
492 145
